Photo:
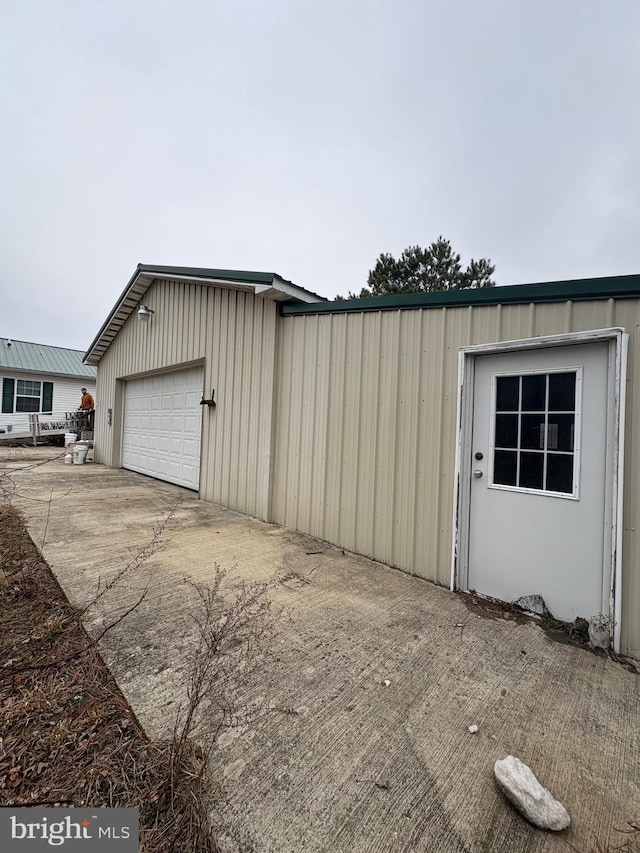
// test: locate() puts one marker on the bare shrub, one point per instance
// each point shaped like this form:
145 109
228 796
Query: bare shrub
236 625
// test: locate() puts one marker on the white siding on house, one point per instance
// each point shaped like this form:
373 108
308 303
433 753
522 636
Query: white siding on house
66 395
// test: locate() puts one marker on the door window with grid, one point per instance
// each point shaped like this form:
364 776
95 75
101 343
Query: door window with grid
535 429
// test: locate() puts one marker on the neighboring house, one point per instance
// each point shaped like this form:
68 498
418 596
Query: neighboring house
480 439
39 378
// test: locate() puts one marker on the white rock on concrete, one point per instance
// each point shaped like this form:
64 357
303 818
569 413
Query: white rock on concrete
533 801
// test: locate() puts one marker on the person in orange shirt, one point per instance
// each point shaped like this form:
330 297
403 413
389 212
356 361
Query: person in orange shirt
87 405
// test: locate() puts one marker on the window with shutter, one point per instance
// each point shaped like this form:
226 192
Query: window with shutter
28 395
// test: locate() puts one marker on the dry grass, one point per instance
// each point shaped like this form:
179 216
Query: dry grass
68 736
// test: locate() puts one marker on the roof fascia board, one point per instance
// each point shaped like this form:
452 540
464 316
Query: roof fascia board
292 291
240 276
611 287
116 308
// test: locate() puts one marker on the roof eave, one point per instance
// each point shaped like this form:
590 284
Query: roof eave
8 368
573 290
265 285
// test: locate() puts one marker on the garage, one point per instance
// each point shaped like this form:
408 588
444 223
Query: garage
484 439
162 426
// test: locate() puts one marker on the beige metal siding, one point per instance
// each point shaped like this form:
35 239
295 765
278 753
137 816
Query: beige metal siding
366 427
233 334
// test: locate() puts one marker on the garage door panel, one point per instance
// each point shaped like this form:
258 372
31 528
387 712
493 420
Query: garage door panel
162 426
190 449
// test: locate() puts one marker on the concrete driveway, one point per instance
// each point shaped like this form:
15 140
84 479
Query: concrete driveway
345 763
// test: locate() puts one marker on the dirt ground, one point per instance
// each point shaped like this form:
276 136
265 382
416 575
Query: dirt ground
67 736
374 681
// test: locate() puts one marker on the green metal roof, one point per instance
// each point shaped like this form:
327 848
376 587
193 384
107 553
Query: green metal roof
40 358
610 287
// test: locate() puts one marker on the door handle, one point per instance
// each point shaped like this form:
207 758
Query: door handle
477 473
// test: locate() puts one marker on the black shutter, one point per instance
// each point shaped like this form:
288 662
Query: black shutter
47 396
8 386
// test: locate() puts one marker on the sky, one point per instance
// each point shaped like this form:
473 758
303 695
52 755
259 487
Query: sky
305 138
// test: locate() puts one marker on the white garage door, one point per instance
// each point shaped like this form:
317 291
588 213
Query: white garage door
162 426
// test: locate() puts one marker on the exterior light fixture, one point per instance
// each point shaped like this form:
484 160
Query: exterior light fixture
145 313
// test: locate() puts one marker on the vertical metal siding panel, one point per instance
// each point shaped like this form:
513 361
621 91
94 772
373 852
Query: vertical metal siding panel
386 438
189 324
348 496
175 292
337 352
218 349
283 419
430 347
204 311
515 322
551 319
192 324
307 423
484 325
407 431
250 401
591 315
425 507
237 465
295 426
266 415
254 403
239 457
445 437
367 440
321 427
178 312
229 300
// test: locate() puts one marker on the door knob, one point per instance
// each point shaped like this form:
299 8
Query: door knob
477 473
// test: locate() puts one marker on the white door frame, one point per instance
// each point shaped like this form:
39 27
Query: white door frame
618 341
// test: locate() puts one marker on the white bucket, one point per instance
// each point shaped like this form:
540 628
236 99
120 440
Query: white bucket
69 438
80 454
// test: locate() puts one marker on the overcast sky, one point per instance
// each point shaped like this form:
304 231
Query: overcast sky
306 138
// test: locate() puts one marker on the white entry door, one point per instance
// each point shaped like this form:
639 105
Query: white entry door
162 426
539 512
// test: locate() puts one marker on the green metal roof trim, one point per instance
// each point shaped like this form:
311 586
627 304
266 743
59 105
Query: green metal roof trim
609 287
40 358
239 276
